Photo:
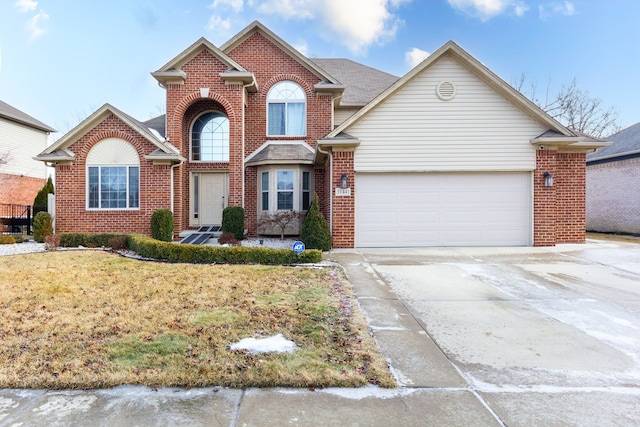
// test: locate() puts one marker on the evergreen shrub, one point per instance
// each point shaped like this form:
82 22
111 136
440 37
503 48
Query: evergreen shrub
314 232
42 226
162 225
233 221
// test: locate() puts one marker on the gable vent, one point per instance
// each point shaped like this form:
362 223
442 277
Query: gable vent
446 90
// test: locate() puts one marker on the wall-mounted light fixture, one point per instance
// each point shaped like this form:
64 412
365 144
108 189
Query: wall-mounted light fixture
548 179
344 181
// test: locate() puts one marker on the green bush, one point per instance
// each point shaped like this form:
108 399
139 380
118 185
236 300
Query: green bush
162 225
147 247
314 232
89 240
42 226
42 201
233 221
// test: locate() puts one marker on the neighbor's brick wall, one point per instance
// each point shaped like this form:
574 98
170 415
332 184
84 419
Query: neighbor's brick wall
71 212
613 196
343 206
559 211
19 190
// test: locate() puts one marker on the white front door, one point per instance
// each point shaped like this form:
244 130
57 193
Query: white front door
209 194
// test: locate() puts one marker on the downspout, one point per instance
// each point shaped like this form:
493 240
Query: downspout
172 191
244 95
328 153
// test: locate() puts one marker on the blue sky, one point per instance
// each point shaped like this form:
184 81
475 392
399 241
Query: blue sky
61 59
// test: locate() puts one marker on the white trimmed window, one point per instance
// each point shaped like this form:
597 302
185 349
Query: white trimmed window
210 138
286 110
113 175
284 188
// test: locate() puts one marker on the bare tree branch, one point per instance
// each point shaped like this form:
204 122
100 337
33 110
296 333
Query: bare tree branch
573 107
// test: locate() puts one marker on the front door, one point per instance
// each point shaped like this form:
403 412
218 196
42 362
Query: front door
209 197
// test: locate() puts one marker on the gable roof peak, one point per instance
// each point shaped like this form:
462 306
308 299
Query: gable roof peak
258 27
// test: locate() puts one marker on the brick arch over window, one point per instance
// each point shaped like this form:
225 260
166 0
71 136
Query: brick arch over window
264 90
192 99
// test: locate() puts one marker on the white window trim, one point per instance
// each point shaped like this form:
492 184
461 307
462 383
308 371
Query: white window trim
273 186
287 101
191 139
99 176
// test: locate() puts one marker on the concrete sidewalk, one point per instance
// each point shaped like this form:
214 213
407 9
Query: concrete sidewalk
432 392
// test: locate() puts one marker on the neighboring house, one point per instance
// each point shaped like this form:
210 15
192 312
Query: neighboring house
21 138
613 184
448 155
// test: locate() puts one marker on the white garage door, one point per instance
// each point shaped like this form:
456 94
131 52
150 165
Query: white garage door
443 209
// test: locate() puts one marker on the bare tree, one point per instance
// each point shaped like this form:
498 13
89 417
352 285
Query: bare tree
280 219
573 107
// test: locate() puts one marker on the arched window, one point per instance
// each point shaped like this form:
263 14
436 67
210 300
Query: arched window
113 175
210 138
287 110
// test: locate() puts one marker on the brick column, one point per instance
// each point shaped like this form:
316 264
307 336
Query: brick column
545 210
343 224
571 198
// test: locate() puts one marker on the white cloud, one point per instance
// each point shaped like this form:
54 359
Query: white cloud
26 5
355 23
35 25
487 9
218 24
415 56
565 8
236 5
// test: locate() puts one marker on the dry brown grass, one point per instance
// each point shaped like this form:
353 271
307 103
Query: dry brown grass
91 319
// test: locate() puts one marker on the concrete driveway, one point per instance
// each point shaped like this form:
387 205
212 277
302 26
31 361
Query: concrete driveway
539 336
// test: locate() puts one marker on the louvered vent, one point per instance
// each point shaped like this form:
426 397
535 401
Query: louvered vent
446 90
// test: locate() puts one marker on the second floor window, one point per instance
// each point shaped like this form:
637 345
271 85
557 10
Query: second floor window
210 138
286 110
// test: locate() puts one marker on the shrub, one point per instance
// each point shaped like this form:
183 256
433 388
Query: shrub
228 239
7 240
162 225
88 240
42 201
233 221
42 226
314 232
117 242
173 252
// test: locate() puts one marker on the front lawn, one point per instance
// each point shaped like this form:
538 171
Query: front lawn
92 319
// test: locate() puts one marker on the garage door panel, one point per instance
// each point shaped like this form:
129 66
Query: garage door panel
440 209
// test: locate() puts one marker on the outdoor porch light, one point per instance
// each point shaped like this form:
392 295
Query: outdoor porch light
344 181
548 179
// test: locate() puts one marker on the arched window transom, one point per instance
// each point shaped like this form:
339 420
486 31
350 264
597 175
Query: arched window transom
210 138
287 110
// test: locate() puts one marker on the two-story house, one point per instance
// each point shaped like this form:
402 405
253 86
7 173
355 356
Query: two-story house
447 155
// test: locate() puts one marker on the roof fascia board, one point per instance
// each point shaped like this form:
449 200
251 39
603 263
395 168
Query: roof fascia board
32 125
257 26
202 43
473 65
97 117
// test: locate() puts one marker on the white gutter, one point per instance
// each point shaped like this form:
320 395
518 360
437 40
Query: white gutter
172 191
330 185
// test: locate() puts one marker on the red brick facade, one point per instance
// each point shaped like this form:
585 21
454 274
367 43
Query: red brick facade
19 190
72 214
559 211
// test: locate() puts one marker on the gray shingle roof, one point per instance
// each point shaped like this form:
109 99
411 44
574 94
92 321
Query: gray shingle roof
10 113
157 123
282 153
625 142
362 83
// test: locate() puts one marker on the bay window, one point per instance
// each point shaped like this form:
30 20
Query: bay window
284 188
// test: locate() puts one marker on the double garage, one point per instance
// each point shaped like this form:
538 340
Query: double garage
443 209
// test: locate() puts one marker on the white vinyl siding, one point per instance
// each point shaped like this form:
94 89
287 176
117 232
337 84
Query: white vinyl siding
21 143
415 131
443 209
342 114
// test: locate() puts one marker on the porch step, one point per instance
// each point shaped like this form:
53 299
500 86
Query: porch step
201 235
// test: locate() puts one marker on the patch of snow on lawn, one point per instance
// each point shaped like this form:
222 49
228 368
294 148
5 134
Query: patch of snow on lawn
274 344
